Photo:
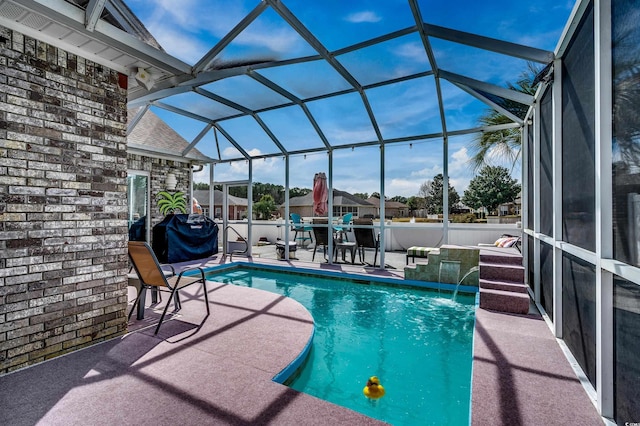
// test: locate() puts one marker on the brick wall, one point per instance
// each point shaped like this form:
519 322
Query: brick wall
63 228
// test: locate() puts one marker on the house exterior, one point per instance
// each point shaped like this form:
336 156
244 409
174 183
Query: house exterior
237 206
343 203
391 208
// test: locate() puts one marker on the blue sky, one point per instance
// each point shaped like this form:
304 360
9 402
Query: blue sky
189 30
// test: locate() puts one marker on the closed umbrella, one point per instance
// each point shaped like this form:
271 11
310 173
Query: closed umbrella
320 194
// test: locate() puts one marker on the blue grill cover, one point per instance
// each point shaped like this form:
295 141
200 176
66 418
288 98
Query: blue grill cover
182 237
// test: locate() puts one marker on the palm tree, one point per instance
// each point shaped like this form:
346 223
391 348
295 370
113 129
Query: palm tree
503 146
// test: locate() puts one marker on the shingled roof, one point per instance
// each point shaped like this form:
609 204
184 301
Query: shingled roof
153 134
340 198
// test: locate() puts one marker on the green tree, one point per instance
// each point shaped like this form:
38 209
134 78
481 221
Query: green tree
200 185
265 206
490 188
414 203
400 199
362 195
262 189
376 195
503 146
434 195
298 192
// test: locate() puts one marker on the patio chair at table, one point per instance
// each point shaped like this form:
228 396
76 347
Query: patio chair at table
321 236
299 226
343 227
152 276
366 238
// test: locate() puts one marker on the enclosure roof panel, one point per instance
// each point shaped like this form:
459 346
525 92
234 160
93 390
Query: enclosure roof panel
279 77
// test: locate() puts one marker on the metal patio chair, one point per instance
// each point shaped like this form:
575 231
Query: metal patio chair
152 276
365 238
343 227
299 226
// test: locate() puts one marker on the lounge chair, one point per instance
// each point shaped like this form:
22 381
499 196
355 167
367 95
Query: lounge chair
418 251
152 276
506 240
365 238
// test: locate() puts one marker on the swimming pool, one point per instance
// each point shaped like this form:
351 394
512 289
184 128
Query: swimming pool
417 341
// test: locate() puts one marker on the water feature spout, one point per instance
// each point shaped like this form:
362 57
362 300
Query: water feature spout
469 272
449 271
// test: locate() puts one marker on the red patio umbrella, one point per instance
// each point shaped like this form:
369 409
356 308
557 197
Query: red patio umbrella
320 194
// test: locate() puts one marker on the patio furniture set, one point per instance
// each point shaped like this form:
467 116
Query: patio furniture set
318 231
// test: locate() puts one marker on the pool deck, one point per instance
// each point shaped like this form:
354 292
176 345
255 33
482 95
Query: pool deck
219 370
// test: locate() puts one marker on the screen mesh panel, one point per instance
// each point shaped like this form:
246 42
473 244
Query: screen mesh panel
546 164
626 132
626 346
578 138
546 278
579 312
530 184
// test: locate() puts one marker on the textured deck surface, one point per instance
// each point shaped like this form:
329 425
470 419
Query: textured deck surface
219 371
217 374
521 376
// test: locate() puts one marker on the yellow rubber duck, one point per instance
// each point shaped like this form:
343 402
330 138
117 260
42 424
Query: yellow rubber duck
373 390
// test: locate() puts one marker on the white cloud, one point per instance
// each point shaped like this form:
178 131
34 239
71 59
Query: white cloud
364 16
426 173
230 151
459 172
412 51
403 187
460 161
202 175
280 40
186 47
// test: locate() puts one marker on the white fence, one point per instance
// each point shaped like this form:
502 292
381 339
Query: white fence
397 236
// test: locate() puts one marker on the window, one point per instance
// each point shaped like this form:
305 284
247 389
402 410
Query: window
138 199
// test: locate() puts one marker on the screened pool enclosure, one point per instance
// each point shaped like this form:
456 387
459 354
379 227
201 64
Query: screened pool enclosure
383 97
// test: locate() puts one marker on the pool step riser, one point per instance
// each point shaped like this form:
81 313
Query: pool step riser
510 273
501 260
504 301
502 286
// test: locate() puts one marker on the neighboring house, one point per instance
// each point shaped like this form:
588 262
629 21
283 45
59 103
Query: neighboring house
391 208
237 206
343 203
512 208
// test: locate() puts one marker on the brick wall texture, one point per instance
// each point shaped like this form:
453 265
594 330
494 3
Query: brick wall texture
63 209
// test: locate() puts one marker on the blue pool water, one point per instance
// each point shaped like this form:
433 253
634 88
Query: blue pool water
417 341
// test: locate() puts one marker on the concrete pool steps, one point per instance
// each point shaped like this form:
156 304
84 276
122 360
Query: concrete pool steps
504 286
504 301
501 283
501 272
496 257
